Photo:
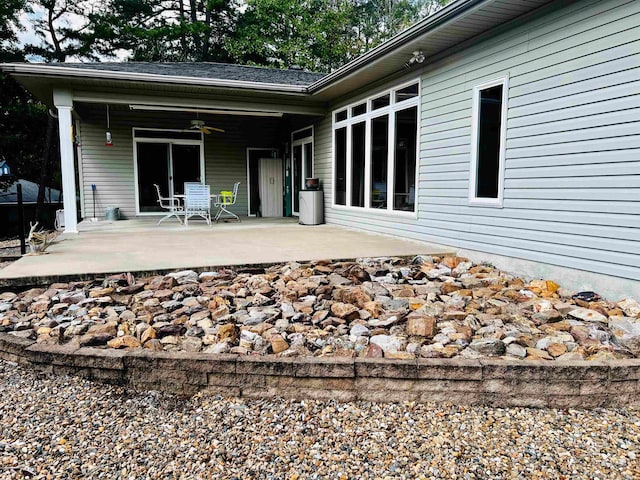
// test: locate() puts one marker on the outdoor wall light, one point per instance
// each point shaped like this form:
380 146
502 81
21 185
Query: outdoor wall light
417 57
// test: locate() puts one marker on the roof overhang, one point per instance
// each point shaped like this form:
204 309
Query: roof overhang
453 26
94 88
52 71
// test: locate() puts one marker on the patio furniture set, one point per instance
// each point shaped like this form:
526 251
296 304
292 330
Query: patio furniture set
197 201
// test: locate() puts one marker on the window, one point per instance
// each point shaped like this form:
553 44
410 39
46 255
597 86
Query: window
341 116
404 167
380 102
376 151
340 166
488 143
379 153
407 92
359 110
357 163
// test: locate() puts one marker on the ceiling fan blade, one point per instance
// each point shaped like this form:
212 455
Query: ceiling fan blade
205 130
215 129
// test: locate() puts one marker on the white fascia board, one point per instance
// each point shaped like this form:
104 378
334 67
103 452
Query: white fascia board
36 69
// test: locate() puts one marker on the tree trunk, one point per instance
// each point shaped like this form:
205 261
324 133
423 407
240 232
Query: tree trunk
197 44
44 169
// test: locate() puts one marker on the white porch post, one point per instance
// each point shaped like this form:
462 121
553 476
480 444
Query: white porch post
63 101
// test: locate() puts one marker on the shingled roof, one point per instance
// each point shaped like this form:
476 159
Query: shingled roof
208 70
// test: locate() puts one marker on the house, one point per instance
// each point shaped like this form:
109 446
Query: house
9 195
5 171
507 128
9 216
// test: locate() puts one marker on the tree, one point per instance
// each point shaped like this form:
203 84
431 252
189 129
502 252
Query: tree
165 30
312 34
21 116
63 27
319 35
9 23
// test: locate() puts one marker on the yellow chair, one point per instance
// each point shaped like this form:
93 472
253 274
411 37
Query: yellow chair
225 199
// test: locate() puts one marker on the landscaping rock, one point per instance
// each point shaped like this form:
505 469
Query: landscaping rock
125 341
626 331
438 307
630 307
94 339
387 343
516 350
345 310
184 276
488 346
423 326
587 315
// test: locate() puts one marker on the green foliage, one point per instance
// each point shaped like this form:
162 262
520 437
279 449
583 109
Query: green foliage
21 117
23 121
9 10
319 35
281 33
9 25
161 30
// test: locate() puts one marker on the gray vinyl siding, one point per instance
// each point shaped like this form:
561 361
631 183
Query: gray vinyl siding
111 168
572 176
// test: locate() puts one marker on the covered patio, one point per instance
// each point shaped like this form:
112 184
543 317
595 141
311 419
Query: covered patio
140 245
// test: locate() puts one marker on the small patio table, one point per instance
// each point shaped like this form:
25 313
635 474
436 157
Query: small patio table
215 198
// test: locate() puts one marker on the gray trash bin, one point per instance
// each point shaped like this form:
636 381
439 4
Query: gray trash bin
311 207
112 213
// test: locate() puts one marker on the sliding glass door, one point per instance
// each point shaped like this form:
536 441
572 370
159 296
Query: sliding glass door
168 165
185 160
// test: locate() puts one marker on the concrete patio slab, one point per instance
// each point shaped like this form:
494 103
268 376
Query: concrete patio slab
141 246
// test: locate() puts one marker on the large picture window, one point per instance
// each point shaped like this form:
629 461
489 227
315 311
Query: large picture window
375 150
488 143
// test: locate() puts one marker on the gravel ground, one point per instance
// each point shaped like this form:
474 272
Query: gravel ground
61 427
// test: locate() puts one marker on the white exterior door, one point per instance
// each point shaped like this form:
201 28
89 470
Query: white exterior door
271 187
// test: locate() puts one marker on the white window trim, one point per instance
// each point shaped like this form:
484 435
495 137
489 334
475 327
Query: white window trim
389 110
473 164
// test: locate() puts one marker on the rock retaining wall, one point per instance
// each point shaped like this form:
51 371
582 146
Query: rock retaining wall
494 382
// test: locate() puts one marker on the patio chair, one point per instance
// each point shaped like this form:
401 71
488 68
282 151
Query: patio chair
225 200
197 202
170 204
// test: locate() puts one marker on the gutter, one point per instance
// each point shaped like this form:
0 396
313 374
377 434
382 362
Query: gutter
66 72
444 15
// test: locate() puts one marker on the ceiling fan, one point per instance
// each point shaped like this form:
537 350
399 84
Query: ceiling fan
202 127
